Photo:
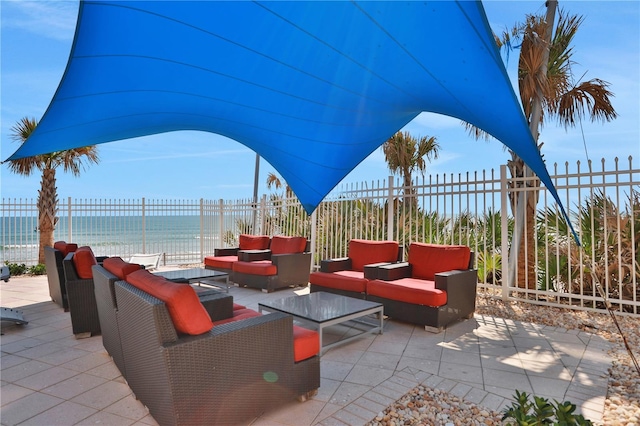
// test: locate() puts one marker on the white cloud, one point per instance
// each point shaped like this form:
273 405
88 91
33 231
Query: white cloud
52 19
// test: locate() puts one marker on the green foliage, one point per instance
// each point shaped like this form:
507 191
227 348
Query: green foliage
610 236
21 269
523 412
16 269
38 269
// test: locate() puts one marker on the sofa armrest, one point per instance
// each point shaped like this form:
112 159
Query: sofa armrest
394 271
335 265
293 268
460 286
253 255
219 306
233 251
371 270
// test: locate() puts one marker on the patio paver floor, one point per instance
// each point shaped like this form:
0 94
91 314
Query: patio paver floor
48 377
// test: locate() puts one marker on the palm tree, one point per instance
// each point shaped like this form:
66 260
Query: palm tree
563 98
71 161
404 154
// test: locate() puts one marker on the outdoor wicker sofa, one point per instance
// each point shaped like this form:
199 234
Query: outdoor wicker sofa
435 287
244 364
53 257
287 263
224 258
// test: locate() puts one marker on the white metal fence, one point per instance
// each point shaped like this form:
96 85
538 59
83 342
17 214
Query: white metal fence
602 200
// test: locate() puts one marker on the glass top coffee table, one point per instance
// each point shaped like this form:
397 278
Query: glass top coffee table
323 309
204 276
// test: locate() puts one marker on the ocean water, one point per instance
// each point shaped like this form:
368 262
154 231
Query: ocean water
182 238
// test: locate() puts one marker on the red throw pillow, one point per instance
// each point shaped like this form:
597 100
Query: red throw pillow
119 267
186 311
64 247
427 260
253 242
83 260
365 252
284 245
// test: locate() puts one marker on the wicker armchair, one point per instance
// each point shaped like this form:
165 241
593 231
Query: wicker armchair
82 300
225 376
55 277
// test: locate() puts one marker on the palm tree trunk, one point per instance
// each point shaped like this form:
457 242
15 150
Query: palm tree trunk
47 210
527 274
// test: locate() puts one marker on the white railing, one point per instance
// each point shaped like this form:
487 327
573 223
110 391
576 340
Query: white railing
603 202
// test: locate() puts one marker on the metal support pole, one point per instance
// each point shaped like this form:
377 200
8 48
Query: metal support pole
256 176
390 210
534 125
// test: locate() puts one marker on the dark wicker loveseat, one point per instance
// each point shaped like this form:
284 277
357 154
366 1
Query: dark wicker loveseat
227 375
224 258
287 263
437 286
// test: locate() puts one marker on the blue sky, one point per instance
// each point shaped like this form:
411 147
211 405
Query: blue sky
36 38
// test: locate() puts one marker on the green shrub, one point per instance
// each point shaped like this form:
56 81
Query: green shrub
38 269
16 269
541 412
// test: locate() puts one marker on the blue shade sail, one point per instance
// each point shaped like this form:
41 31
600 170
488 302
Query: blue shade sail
312 86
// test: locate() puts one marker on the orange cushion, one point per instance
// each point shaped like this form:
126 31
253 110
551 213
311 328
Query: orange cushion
119 267
284 245
83 260
222 262
306 343
365 252
65 247
253 242
238 315
186 311
429 259
259 267
409 290
341 280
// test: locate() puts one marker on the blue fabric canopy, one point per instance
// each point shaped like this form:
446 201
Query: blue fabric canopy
312 86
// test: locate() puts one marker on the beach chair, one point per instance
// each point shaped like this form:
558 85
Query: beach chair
150 261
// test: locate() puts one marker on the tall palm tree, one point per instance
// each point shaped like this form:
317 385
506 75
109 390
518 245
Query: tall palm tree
405 154
71 160
563 98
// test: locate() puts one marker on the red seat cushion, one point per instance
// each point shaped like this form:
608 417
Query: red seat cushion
238 315
186 311
427 260
259 267
284 245
220 262
306 343
253 242
409 290
83 260
119 267
341 280
366 252
65 247
237 306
